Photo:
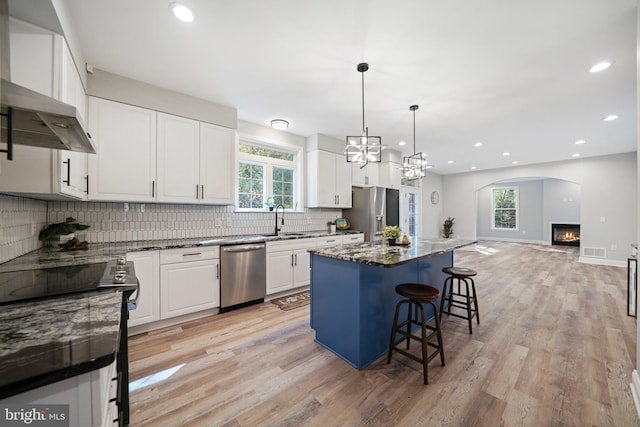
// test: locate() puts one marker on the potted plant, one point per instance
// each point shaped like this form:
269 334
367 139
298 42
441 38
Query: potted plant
61 231
447 227
332 226
270 202
391 233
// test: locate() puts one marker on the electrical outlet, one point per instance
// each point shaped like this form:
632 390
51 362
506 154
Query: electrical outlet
603 219
126 207
33 229
614 247
142 207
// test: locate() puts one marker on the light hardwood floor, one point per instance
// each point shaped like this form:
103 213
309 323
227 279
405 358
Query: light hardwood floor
554 348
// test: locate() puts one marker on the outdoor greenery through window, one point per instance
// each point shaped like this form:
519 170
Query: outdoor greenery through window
505 208
266 177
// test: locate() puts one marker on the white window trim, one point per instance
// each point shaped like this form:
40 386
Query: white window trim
297 150
493 209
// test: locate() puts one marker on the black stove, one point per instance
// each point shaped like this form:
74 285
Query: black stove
47 282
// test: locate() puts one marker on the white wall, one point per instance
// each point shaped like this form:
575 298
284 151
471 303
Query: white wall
431 217
561 205
608 191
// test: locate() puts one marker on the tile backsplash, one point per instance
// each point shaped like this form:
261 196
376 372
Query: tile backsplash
116 222
21 220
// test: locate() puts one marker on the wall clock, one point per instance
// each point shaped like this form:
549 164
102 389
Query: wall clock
435 197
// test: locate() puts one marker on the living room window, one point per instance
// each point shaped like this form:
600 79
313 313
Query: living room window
266 176
505 208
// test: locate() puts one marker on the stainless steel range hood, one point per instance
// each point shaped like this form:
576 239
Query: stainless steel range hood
41 121
31 118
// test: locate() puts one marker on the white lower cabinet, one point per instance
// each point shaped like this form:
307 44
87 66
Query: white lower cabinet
147 266
339 239
91 397
348 239
189 280
288 264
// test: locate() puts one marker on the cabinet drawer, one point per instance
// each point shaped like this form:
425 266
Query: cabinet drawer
290 245
352 238
329 241
172 256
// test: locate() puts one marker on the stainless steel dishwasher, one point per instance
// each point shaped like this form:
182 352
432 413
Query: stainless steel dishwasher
243 275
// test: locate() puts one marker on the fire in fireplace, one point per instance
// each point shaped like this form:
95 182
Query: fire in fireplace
565 234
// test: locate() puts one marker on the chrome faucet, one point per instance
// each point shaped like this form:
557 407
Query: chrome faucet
281 219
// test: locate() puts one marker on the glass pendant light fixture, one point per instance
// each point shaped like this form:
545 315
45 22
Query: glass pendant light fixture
414 166
364 149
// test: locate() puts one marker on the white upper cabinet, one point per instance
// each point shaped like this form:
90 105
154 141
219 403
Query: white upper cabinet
41 61
390 175
217 164
178 146
366 176
195 161
328 180
124 166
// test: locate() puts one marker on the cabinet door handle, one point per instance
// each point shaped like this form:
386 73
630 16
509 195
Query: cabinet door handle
202 191
86 178
295 257
291 260
196 191
153 188
192 254
68 163
217 271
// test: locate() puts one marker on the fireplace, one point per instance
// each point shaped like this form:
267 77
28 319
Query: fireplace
565 234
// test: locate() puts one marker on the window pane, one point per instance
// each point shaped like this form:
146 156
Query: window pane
505 211
283 186
251 185
266 152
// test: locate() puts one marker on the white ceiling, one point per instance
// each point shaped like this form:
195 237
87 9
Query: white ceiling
512 74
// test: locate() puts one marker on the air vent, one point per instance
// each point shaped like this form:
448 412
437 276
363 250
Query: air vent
594 252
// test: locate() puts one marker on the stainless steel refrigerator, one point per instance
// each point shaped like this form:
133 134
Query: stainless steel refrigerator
372 209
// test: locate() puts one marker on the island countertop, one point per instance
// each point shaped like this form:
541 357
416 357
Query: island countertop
383 255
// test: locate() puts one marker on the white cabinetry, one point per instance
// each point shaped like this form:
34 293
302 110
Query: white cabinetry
366 176
147 266
328 180
339 239
217 164
91 397
288 264
41 61
195 161
189 280
390 175
353 238
124 167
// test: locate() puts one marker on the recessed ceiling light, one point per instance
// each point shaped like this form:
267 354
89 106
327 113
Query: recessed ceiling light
279 124
515 162
478 144
575 155
402 143
611 117
182 12
600 66
473 167
580 142
506 153
450 162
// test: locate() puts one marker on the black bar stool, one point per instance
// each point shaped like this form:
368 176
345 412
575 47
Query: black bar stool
417 294
468 300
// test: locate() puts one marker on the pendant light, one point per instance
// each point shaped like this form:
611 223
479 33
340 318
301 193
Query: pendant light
364 149
414 166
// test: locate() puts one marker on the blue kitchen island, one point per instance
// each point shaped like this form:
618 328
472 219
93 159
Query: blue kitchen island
353 291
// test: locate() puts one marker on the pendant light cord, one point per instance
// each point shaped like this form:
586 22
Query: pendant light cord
362 72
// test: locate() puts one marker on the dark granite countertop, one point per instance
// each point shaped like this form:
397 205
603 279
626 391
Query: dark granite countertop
102 252
381 254
48 340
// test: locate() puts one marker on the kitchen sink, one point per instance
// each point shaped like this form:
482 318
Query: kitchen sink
283 234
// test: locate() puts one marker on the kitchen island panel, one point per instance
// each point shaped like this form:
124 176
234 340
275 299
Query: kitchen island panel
352 304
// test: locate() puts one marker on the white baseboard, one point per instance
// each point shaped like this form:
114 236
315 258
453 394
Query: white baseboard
635 390
507 239
602 261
